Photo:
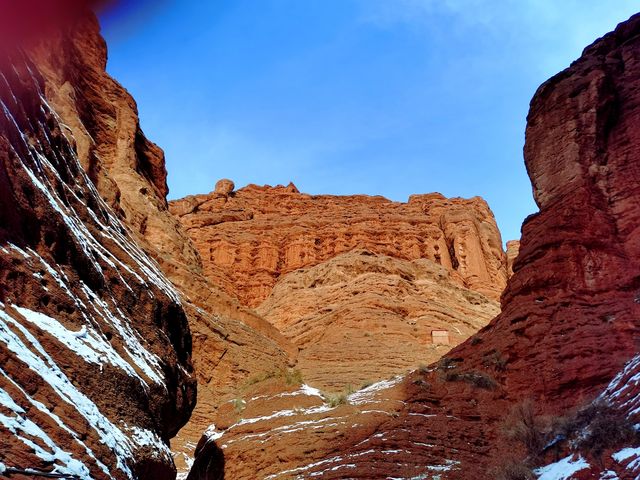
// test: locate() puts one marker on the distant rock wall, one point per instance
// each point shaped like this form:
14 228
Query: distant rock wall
248 238
360 317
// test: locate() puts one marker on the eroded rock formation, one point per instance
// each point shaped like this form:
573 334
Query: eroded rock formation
95 350
513 248
360 317
355 284
248 239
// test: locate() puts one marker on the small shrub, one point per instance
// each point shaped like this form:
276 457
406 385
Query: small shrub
496 360
421 383
341 398
475 340
477 379
261 377
597 427
293 377
366 383
525 427
446 363
238 405
335 400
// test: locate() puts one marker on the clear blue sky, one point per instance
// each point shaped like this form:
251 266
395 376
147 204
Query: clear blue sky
388 97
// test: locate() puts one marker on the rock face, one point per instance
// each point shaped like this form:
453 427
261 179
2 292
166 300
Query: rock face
513 248
127 169
95 350
569 321
355 284
231 342
249 239
340 312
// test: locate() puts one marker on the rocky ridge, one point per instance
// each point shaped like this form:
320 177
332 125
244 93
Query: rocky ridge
249 238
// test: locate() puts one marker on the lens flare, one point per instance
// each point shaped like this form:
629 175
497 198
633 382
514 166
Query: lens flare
25 21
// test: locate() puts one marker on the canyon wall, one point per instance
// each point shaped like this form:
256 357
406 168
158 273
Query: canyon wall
250 237
95 349
117 171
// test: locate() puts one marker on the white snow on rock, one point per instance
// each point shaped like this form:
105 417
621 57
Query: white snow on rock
23 331
366 395
563 469
630 457
45 448
33 355
621 390
87 343
212 434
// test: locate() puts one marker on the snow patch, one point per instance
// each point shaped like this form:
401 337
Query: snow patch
563 469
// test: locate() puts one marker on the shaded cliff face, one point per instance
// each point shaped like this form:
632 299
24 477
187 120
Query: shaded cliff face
249 238
568 331
95 350
127 169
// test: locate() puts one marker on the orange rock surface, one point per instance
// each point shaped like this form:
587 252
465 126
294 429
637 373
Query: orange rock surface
355 284
251 237
361 317
95 350
513 248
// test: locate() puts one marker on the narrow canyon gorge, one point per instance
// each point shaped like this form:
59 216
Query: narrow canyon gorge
266 333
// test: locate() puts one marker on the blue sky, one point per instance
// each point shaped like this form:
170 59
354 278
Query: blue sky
382 97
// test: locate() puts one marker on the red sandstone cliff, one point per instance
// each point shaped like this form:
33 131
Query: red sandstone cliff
95 350
356 284
249 238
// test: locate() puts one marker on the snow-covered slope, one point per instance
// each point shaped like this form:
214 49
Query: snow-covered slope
623 462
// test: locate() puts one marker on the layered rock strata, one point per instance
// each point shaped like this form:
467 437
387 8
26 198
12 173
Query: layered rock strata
248 238
359 317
